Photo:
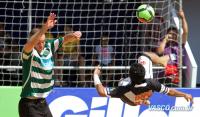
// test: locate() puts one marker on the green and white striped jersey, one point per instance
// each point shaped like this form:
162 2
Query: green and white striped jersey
37 70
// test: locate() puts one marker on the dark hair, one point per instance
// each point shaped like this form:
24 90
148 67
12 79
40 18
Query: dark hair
172 28
137 73
104 35
1 24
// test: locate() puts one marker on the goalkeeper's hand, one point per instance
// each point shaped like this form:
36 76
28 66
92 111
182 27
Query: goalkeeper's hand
97 70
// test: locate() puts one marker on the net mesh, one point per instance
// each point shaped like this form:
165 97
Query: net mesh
109 27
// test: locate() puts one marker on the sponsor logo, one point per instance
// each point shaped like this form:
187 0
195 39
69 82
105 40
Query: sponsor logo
169 108
75 106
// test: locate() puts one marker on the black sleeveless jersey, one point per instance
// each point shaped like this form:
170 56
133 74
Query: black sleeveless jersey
126 91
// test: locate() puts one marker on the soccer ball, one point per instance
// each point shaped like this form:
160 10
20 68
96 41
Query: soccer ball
145 13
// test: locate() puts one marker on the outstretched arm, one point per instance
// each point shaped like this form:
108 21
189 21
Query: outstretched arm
176 93
158 87
36 37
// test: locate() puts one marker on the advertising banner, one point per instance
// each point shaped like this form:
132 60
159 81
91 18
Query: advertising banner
85 102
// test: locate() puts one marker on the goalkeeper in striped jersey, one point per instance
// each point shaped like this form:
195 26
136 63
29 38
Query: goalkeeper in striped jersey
37 64
138 87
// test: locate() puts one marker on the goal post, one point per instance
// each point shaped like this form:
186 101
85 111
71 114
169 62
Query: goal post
111 23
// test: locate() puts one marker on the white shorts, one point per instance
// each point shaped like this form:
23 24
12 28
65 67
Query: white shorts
147 63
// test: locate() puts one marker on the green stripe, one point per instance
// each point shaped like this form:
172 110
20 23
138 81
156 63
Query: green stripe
151 14
142 9
60 42
51 41
52 46
38 90
42 60
27 54
40 81
38 70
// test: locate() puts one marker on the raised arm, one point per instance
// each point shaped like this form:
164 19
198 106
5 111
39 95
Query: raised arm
184 26
35 38
99 87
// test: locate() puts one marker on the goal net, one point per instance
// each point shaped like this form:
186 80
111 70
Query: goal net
112 37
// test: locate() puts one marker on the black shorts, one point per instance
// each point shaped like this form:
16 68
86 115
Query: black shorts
34 108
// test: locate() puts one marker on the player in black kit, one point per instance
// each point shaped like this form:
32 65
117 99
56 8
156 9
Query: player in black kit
138 87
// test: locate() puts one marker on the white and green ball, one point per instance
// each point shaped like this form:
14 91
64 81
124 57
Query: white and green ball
145 13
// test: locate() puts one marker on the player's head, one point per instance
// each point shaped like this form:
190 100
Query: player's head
40 45
137 73
104 39
173 32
